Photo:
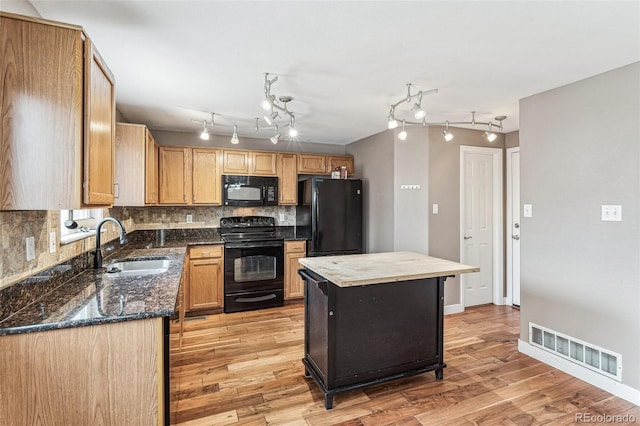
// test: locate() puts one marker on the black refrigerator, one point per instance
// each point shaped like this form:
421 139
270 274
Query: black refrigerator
331 212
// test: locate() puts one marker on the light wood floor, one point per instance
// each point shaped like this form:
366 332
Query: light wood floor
245 369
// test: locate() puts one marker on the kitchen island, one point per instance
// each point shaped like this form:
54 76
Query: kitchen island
370 318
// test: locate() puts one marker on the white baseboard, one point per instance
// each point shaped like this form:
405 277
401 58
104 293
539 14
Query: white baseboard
616 388
453 309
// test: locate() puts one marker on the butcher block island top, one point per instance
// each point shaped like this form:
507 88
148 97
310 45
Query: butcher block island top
375 268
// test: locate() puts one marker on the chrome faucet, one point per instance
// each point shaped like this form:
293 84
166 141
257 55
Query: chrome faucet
97 259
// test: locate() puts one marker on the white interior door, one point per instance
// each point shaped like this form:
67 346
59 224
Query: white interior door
477 227
513 221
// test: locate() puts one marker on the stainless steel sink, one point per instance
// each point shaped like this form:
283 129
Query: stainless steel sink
137 267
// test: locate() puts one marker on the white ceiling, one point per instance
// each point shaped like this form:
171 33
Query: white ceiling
345 62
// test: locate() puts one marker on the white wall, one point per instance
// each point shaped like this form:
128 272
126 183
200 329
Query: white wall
580 276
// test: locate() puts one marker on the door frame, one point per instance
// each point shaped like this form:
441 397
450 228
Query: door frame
498 224
509 199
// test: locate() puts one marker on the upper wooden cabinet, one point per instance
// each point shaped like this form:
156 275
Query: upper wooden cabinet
312 164
58 117
258 163
206 177
189 176
136 166
334 161
287 179
235 162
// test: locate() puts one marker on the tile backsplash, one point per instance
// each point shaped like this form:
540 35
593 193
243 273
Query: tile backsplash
16 226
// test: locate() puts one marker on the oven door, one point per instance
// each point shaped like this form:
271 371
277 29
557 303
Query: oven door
253 275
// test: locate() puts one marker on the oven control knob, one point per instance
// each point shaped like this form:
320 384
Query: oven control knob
224 222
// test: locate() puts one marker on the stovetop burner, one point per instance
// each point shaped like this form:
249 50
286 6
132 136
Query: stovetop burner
247 228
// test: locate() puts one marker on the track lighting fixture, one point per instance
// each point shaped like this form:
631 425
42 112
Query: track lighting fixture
392 122
234 138
274 106
420 114
275 138
448 136
205 132
403 134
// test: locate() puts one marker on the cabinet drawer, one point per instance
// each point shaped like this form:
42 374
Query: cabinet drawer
201 252
296 246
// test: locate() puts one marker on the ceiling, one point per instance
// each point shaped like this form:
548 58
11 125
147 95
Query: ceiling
345 62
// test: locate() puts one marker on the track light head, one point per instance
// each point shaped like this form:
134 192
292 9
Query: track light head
392 123
490 136
275 138
448 136
267 102
205 132
234 138
418 112
403 134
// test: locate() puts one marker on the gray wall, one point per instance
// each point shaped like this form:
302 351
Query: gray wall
21 7
580 276
444 190
411 215
512 139
374 165
169 138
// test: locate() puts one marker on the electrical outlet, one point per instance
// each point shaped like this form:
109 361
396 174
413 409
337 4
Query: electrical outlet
281 217
527 210
31 248
189 218
52 242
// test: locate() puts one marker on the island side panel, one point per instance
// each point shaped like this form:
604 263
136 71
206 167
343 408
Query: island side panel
385 329
102 374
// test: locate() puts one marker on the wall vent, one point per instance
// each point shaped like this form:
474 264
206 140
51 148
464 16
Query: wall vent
593 357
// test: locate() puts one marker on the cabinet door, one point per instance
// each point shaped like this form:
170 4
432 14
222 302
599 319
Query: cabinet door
99 133
293 283
235 162
263 163
151 170
175 175
339 161
288 179
41 110
206 177
312 164
130 165
205 283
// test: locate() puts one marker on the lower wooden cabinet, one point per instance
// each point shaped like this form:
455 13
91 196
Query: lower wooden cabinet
293 283
205 278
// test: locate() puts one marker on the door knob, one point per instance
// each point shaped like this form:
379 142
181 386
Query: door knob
516 237
517 225
467 238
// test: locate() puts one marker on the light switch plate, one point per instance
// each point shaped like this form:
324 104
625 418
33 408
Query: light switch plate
527 210
189 218
435 209
611 213
31 248
281 217
52 242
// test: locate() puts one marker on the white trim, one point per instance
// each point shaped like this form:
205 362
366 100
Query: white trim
509 298
618 389
498 224
453 309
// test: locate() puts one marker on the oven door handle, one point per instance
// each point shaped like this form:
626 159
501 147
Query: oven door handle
253 244
255 299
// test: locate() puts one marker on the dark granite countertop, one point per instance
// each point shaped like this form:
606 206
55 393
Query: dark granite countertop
73 295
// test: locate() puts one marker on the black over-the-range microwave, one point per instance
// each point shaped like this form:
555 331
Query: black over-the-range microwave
249 191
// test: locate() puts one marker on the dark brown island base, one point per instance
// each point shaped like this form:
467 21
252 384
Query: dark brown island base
371 318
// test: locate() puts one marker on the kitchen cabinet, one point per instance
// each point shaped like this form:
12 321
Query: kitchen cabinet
204 288
206 176
263 163
312 164
58 110
258 163
287 179
175 175
189 176
107 374
136 166
293 283
235 162
334 161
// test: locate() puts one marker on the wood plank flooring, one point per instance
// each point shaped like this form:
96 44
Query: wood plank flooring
245 369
